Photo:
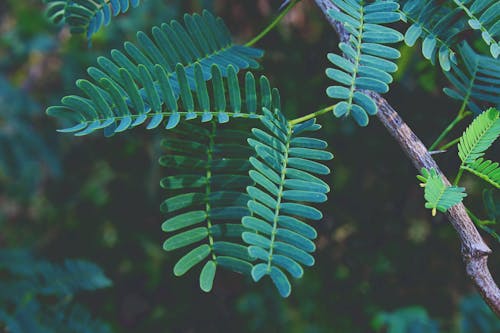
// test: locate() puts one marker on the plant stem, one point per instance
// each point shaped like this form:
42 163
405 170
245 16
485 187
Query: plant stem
311 115
459 175
461 115
449 144
475 252
273 23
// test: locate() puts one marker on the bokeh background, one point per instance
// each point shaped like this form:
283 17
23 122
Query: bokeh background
381 256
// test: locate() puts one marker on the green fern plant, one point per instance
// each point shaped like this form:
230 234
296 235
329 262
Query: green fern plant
127 93
479 136
207 199
284 187
483 15
477 81
368 61
438 26
486 170
244 207
437 194
476 139
86 16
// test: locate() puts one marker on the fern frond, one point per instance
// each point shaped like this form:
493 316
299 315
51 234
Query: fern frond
439 196
438 26
484 15
281 197
206 186
166 99
479 136
86 16
477 82
486 170
369 60
72 277
25 279
127 92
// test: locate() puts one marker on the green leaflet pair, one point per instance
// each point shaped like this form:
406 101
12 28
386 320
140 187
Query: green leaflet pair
243 205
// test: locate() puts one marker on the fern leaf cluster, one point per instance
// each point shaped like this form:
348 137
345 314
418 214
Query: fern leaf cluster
368 61
208 173
484 15
219 195
487 170
477 81
479 136
26 279
476 139
86 16
145 83
439 28
437 194
284 189
210 211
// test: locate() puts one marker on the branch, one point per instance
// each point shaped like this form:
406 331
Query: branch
474 250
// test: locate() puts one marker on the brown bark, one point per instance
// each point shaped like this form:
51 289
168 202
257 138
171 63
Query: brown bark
474 250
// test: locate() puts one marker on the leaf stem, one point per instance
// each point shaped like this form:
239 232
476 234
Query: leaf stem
461 115
449 144
459 175
273 23
311 115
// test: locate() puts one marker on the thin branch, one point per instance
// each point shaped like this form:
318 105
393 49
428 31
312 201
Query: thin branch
474 250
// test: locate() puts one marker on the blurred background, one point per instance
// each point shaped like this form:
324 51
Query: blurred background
382 261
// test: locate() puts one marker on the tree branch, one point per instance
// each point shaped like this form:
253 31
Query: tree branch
474 250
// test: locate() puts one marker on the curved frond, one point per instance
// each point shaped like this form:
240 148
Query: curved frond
369 62
168 100
439 196
146 84
281 197
479 136
486 170
484 15
86 16
207 175
477 82
438 26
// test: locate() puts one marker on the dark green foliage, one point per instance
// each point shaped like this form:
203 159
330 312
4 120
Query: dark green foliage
438 195
438 26
484 15
369 61
86 16
281 197
406 320
128 92
207 174
27 279
23 152
476 80
476 316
